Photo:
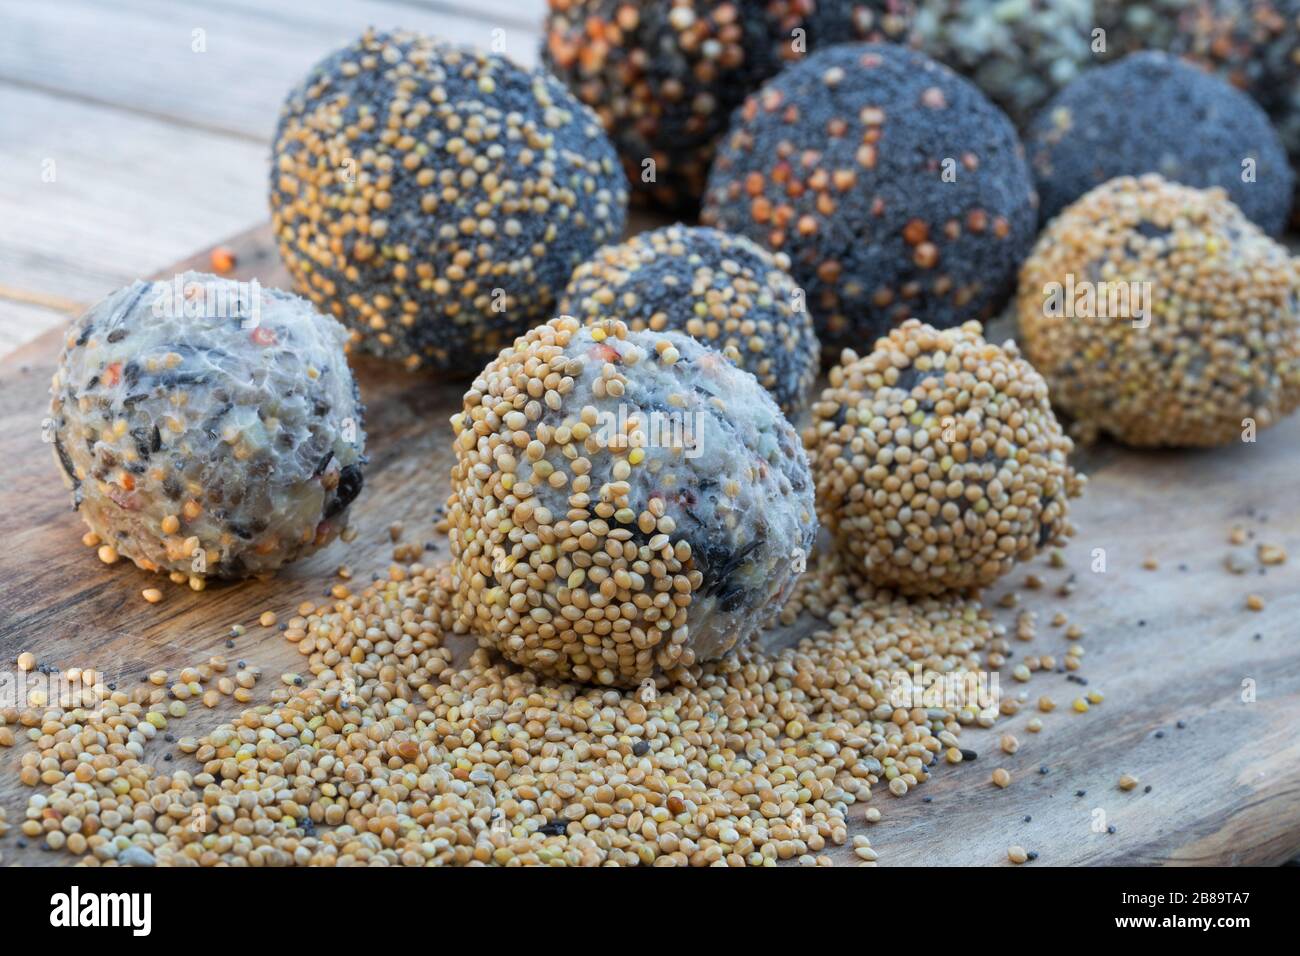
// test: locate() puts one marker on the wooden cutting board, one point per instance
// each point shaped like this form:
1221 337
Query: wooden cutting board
1165 646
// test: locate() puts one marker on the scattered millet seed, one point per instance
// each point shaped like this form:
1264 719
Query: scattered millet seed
108 554
1254 602
1034 725
1270 554
223 260
267 619
26 661
1017 854
1009 743
152 595
1237 535
1151 564
1021 673
1080 705
1128 782
1095 697
1001 778
372 708
1046 704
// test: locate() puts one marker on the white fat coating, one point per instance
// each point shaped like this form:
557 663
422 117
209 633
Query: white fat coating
740 492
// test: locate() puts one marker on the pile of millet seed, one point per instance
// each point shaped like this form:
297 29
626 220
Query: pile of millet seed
384 753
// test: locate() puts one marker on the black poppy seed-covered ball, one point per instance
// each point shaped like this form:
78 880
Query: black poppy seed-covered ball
436 199
938 460
895 187
1161 315
624 504
207 428
723 290
1152 113
664 77
1255 46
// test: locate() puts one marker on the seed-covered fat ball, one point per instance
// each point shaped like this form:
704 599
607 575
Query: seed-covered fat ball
1255 46
664 77
1017 53
723 290
624 504
436 199
207 428
894 185
1153 113
938 460
1163 316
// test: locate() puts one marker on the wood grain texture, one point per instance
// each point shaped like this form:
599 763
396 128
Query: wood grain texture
253 52
1164 646
156 147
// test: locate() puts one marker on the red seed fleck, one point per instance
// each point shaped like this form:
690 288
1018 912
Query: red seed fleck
223 260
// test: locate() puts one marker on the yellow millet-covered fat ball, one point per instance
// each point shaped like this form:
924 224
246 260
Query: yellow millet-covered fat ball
1205 344
938 460
624 504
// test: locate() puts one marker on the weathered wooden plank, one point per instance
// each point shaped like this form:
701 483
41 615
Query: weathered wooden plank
94 198
24 320
1164 646
123 149
218 67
